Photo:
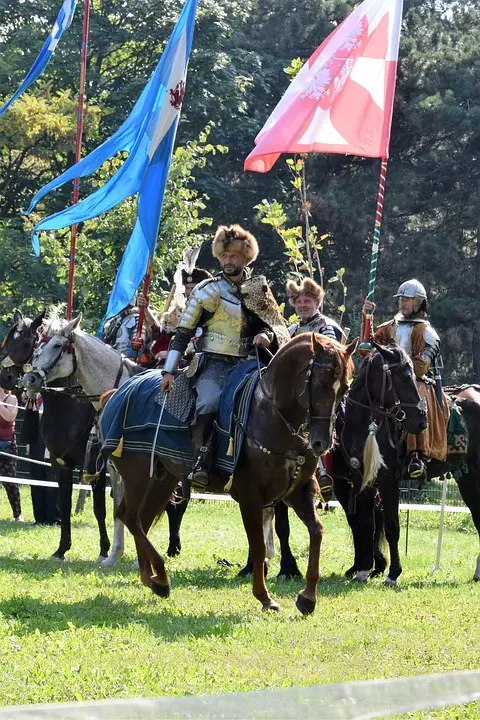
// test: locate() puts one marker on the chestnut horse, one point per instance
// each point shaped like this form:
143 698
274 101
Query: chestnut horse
290 424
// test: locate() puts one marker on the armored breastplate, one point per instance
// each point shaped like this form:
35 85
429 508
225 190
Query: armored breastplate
225 322
403 336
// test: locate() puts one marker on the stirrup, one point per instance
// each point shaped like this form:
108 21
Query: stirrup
416 468
325 483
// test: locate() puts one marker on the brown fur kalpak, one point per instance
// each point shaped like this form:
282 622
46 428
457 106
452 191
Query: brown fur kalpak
307 287
235 239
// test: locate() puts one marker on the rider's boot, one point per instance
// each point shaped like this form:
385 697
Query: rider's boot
416 467
203 436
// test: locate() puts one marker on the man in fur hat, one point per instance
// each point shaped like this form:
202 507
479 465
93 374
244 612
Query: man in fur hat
229 333
306 299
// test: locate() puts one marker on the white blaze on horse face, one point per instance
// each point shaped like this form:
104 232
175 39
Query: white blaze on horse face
336 388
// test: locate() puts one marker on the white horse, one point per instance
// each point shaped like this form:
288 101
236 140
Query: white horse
97 368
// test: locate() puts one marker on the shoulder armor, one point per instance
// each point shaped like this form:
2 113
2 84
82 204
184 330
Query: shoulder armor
431 336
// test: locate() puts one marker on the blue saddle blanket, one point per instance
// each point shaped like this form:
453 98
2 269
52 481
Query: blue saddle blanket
130 419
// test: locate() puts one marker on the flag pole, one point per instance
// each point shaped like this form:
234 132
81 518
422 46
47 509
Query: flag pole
365 346
137 341
78 151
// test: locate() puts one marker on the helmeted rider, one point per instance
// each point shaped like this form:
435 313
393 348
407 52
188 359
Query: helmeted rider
307 299
229 333
411 329
120 330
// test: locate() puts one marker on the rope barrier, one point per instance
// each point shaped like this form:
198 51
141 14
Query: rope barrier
363 700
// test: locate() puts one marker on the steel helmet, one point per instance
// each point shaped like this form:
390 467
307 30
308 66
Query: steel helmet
411 288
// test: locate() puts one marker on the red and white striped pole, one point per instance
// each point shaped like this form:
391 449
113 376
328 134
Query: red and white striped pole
78 151
365 346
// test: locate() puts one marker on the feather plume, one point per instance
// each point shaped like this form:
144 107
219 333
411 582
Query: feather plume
189 259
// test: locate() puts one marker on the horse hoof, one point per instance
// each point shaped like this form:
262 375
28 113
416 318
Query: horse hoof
388 582
350 572
245 572
376 573
286 576
173 551
275 607
59 558
101 558
304 605
111 560
361 576
160 590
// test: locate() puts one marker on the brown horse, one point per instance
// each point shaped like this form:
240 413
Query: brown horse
290 424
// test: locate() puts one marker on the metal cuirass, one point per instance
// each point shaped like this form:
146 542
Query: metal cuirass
216 306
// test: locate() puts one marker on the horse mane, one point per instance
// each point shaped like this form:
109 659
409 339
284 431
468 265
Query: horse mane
332 347
54 322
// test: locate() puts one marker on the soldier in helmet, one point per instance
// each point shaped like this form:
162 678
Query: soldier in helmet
229 333
411 329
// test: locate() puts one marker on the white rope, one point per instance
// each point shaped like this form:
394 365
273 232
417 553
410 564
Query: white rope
363 700
26 459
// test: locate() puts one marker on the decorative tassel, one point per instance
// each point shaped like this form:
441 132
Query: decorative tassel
119 449
90 478
61 462
229 484
230 447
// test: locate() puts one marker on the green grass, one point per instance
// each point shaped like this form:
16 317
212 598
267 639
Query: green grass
70 631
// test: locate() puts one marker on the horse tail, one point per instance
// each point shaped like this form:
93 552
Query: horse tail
372 461
106 397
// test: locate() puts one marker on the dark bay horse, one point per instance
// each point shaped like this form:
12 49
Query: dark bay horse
65 426
383 400
67 351
290 423
392 446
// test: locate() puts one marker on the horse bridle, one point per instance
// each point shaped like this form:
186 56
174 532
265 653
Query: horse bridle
70 349
304 426
395 411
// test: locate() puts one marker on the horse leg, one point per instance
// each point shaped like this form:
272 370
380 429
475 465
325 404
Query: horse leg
359 511
175 512
469 486
118 545
251 508
380 561
303 501
100 512
391 498
144 499
288 564
64 477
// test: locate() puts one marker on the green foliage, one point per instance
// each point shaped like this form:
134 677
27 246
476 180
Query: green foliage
243 58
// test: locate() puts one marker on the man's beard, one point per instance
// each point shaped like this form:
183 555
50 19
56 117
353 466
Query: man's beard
232 270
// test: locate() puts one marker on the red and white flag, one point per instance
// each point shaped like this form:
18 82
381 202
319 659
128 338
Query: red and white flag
342 99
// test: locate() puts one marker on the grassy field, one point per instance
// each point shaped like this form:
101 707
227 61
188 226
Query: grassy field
70 631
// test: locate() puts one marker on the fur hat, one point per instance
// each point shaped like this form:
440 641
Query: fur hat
195 276
308 287
236 239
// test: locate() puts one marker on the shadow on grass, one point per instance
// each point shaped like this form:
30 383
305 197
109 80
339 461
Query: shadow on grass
34 615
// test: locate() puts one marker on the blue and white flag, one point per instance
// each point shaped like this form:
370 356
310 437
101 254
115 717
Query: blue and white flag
63 21
147 135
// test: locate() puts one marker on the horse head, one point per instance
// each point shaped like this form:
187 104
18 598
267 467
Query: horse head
17 348
386 391
306 381
54 357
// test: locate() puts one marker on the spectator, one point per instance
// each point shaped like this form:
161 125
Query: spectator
8 444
